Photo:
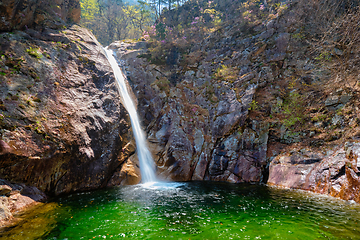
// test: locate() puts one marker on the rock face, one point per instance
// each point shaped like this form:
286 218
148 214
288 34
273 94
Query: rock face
247 103
335 173
17 197
196 131
39 14
62 125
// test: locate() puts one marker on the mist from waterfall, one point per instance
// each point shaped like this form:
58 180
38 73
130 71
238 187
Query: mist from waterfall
146 161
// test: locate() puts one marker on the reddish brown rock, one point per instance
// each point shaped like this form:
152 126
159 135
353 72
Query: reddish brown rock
15 198
4 148
335 174
64 128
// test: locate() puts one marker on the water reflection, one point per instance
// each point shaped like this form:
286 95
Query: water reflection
34 224
196 210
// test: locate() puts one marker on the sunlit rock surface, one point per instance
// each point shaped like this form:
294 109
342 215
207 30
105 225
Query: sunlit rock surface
247 104
335 173
17 197
193 134
63 127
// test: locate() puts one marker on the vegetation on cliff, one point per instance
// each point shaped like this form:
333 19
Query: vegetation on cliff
324 40
242 91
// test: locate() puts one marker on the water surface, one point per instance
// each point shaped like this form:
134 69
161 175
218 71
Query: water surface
195 210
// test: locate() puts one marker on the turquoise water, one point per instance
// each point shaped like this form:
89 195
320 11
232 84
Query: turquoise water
195 210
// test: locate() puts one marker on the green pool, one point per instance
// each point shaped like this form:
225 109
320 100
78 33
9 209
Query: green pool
195 210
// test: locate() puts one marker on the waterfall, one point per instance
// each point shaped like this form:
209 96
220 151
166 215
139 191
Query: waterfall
144 155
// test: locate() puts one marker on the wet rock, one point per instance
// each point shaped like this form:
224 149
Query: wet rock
201 167
17 197
176 162
129 173
335 173
219 162
189 125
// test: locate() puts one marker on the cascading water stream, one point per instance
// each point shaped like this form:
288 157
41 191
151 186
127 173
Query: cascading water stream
144 155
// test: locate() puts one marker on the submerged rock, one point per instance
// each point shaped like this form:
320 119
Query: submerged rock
17 197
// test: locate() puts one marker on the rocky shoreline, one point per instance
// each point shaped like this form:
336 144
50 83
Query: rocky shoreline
15 198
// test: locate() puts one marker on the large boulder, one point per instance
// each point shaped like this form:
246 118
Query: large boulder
62 125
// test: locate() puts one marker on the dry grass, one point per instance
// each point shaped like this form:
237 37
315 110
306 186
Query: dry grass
333 28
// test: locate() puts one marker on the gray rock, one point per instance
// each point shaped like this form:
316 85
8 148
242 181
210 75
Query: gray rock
282 42
266 34
332 100
345 98
337 120
338 52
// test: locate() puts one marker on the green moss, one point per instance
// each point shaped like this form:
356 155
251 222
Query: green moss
163 84
226 73
318 118
34 52
254 105
46 55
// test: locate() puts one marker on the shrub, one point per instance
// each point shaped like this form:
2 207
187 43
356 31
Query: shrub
226 73
293 109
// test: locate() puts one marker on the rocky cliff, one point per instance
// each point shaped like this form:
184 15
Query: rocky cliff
195 127
258 101
62 125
